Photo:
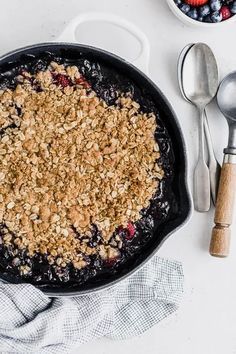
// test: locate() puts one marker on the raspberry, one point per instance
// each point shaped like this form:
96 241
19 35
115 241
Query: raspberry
225 12
82 81
62 80
131 231
110 262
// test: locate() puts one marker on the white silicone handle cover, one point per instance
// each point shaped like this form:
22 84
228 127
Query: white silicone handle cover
68 34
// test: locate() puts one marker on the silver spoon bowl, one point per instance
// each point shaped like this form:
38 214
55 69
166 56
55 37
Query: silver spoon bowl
180 68
226 99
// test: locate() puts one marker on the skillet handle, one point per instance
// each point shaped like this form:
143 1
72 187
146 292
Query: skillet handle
220 240
69 34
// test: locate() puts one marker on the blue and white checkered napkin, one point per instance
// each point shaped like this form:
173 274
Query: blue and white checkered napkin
30 322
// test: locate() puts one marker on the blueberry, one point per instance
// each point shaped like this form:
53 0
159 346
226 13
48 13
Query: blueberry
16 262
207 19
204 11
193 14
216 16
233 8
184 8
178 2
215 5
200 19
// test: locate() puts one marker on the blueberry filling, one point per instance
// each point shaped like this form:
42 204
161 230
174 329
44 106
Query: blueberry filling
136 236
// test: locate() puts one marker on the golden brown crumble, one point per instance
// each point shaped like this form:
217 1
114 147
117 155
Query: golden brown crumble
73 162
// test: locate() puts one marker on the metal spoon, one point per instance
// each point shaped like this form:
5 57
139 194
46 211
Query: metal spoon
220 240
213 164
200 83
180 68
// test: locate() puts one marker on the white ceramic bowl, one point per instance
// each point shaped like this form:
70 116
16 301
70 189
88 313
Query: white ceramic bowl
189 21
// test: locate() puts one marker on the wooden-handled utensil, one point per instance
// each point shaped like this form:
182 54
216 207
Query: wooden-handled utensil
220 241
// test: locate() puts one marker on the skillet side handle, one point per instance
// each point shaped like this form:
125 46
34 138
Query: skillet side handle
69 33
220 240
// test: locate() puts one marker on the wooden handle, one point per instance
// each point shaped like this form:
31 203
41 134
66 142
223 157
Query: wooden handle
220 240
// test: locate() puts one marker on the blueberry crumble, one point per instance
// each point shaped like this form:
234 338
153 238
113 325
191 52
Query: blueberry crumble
82 177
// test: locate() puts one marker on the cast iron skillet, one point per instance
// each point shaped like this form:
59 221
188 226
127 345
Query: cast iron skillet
74 52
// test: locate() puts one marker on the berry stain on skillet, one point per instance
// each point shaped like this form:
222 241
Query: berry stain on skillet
95 250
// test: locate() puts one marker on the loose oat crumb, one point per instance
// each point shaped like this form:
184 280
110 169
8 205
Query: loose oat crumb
10 205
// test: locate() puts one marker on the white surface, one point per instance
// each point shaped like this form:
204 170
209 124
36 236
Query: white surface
206 321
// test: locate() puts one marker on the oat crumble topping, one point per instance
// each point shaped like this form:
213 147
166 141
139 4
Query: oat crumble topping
72 162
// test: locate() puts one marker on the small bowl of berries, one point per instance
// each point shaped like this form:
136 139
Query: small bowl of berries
204 13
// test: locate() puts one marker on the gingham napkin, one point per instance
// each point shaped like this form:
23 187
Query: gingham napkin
31 322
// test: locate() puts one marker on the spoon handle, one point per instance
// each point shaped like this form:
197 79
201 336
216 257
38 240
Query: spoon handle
201 195
220 239
214 166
